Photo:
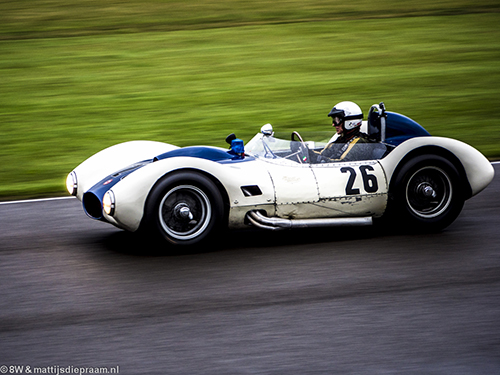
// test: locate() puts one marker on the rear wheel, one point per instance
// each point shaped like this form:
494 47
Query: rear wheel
427 194
185 208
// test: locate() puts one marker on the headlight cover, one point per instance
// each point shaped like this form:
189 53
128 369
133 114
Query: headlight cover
72 183
108 203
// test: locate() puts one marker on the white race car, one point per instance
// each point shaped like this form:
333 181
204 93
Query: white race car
188 194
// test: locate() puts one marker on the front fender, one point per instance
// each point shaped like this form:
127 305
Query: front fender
114 158
132 192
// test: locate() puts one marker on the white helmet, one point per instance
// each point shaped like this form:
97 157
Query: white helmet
349 113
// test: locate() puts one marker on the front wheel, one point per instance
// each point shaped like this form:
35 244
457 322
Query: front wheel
185 208
427 194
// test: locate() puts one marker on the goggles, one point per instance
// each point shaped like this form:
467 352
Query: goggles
336 121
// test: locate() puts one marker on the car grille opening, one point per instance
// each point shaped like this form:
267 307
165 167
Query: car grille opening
92 205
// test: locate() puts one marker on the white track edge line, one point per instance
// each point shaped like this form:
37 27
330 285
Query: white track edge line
36 200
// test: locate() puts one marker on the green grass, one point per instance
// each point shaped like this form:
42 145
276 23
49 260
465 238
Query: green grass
49 18
76 79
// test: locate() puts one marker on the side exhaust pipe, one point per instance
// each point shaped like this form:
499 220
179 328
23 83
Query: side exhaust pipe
275 223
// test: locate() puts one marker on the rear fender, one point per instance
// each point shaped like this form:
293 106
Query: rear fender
475 170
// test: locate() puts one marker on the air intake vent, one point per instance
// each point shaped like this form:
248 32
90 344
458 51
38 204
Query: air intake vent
251 190
92 205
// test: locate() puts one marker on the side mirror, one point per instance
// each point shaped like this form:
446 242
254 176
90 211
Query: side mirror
230 138
267 130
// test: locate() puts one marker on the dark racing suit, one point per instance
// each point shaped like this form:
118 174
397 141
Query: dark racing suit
350 148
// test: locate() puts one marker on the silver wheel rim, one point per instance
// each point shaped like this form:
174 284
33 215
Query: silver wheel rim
429 192
184 212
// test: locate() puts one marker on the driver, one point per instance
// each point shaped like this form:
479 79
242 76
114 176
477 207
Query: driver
346 119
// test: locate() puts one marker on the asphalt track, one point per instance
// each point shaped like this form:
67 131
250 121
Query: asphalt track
79 293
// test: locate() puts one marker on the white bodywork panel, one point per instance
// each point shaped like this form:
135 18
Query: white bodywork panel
295 188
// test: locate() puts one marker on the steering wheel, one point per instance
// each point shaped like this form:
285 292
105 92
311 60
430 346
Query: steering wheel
298 150
296 134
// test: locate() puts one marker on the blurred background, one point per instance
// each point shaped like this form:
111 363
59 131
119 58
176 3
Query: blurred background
76 78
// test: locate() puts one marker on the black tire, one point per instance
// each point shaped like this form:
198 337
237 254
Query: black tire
426 194
185 208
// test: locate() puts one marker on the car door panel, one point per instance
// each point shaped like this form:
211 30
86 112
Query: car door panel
352 188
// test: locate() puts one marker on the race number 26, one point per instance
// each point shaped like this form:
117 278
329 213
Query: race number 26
370 183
